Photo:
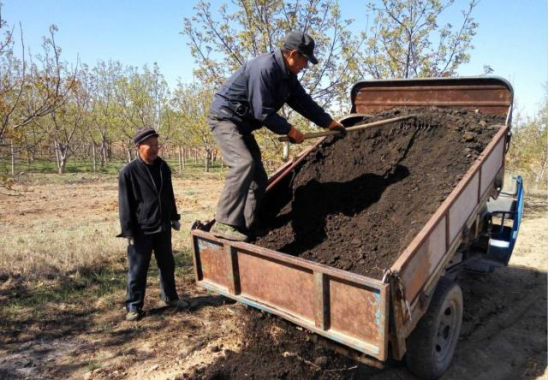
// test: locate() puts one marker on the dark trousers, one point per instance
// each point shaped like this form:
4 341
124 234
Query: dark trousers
139 254
246 180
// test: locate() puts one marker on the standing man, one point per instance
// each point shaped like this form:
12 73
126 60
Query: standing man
147 214
249 100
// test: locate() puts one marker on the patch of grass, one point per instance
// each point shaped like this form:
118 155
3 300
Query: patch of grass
183 263
81 287
93 365
48 250
59 307
112 168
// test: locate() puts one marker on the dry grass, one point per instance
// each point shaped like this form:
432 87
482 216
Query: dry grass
62 278
62 226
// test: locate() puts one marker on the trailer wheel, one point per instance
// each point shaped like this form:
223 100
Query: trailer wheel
431 346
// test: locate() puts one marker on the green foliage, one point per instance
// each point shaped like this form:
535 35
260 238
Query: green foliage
528 153
30 87
55 115
222 41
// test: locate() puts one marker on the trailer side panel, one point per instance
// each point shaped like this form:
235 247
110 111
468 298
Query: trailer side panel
347 308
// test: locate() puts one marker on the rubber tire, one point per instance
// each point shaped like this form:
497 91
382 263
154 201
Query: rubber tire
422 358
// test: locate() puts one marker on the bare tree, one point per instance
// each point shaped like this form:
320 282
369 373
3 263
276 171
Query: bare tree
67 123
29 87
142 99
221 42
192 105
406 41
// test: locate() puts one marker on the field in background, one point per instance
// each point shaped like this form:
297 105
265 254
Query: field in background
62 287
61 224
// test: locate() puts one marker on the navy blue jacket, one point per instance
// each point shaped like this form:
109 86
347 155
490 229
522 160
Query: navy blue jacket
254 94
144 208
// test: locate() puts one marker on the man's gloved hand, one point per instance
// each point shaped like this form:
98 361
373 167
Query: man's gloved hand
130 240
176 225
295 136
336 126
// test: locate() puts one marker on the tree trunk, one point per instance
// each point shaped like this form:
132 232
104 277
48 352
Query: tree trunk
207 160
30 154
57 158
180 160
103 153
62 155
129 157
62 164
12 158
94 154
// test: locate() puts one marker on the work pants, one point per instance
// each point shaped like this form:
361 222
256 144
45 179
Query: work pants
139 254
246 180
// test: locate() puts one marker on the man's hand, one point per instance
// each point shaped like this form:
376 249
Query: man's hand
295 136
336 126
130 240
176 225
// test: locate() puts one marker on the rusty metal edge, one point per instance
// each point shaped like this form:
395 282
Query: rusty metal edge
385 83
396 333
445 87
443 210
420 306
370 349
294 261
348 352
448 103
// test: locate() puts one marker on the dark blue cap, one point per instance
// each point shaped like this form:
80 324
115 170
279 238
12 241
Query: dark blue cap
301 42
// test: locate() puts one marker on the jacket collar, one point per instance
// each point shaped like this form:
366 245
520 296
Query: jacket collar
279 58
157 161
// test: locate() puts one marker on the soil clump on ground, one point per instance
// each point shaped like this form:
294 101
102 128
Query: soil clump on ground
355 203
276 349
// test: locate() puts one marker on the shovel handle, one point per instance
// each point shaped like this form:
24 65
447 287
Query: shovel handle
351 129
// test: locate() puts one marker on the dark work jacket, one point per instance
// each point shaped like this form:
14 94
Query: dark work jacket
145 209
254 94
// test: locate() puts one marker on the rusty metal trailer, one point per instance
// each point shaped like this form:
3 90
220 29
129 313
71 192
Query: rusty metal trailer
370 316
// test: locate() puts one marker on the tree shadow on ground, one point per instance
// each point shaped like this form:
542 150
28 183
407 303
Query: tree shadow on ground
43 322
503 311
195 304
54 308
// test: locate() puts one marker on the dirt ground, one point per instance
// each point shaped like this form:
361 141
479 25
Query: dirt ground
68 322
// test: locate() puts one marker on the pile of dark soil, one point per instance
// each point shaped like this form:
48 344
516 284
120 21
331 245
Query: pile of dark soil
276 349
356 203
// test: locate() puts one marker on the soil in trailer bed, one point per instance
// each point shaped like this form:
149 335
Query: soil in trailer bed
356 203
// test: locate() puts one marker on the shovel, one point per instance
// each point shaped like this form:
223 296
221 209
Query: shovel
351 129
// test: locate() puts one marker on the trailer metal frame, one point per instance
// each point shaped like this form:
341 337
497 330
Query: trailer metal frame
355 311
